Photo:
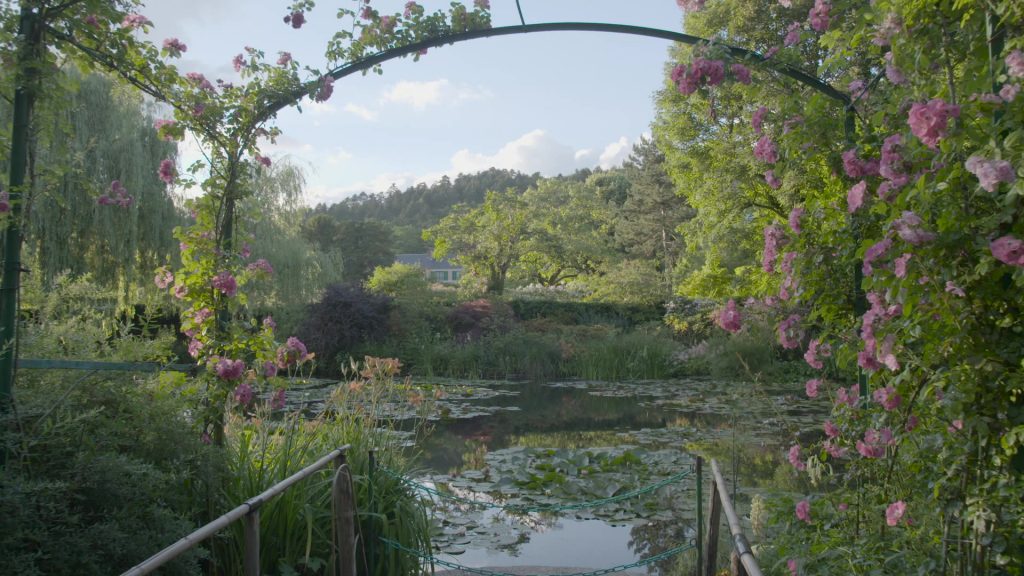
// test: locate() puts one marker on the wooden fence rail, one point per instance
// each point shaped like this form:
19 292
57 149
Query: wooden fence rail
743 561
343 521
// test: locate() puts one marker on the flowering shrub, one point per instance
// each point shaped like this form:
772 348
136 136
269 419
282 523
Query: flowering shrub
919 204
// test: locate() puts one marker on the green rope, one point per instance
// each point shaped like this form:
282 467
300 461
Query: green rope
484 572
538 508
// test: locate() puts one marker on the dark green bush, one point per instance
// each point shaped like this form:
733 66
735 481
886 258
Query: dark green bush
100 475
587 313
345 317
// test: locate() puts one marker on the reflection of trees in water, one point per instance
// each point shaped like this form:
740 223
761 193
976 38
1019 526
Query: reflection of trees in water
485 527
656 536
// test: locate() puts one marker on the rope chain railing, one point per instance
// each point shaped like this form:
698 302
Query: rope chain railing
525 508
427 557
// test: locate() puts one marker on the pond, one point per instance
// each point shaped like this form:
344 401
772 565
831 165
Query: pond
535 447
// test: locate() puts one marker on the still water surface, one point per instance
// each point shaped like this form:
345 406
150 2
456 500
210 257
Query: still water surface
561 442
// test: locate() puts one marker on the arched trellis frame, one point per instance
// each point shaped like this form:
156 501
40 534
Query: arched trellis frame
30 29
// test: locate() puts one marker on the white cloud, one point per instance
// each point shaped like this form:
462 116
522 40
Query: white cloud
339 156
420 95
360 111
615 153
319 108
534 151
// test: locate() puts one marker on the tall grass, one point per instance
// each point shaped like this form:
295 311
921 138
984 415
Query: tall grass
295 527
568 353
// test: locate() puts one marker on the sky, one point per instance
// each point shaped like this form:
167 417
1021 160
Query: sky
547 102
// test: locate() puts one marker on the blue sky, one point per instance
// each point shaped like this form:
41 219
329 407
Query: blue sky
546 102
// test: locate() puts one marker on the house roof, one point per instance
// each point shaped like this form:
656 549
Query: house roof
426 261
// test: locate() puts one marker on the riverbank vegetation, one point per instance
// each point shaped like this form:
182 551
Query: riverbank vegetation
836 206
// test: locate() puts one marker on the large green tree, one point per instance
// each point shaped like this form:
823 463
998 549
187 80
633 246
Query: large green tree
569 232
652 212
364 245
488 240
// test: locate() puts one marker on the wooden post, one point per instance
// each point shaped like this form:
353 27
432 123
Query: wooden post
714 520
700 516
344 522
251 522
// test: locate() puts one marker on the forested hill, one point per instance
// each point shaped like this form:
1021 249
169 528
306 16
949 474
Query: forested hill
422 206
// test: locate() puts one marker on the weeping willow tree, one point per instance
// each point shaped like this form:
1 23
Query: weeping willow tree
87 135
275 212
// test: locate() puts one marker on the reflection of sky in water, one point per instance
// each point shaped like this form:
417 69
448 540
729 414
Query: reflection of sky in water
475 421
591 543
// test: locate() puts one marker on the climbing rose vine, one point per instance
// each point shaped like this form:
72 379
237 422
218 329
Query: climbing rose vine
919 201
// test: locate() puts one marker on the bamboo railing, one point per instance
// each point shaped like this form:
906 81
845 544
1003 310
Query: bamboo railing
743 561
343 521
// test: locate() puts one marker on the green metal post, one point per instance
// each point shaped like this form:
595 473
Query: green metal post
700 514
371 538
860 302
24 97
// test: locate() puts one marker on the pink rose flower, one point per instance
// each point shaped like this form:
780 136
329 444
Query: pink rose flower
728 318
803 511
741 73
908 227
831 430
163 279
243 394
929 121
990 172
228 369
794 458
900 265
888 398
1008 250
758 119
167 171
794 219
174 47
811 388
818 16
278 400
225 283
766 151
1015 64
855 196
790 332
894 513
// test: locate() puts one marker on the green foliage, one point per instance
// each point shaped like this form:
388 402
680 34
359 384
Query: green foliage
577 312
405 281
88 133
629 282
77 319
296 526
942 343
421 206
101 472
487 240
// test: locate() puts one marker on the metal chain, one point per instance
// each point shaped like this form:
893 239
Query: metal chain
521 508
484 572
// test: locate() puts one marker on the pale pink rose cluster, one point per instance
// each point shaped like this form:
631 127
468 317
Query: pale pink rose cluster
990 172
729 318
1008 250
699 73
929 121
790 332
773 238
118 196
691 5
